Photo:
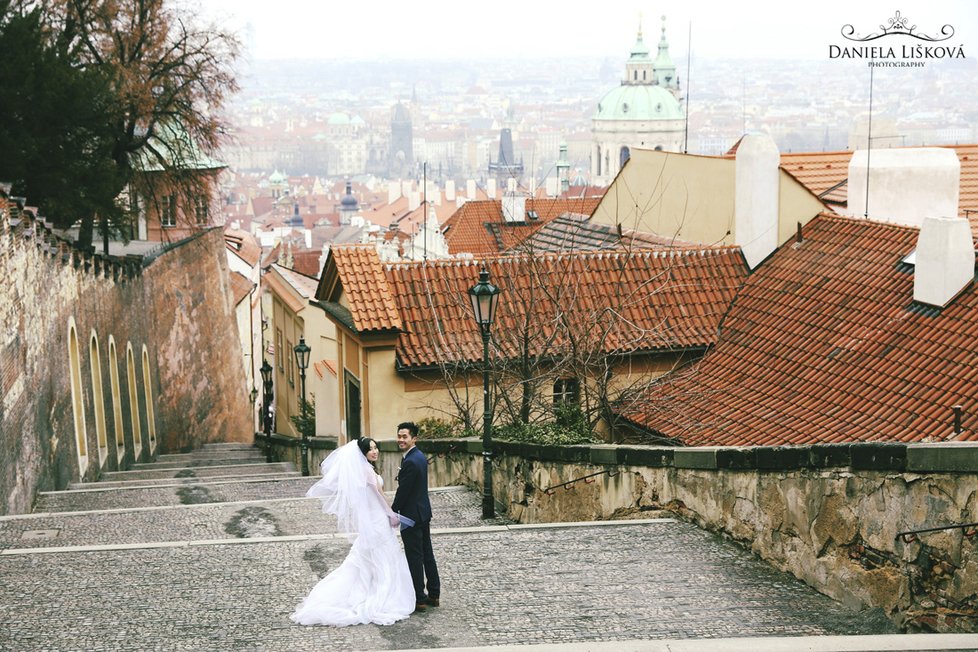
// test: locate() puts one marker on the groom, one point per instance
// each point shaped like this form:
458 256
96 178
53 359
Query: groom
411 500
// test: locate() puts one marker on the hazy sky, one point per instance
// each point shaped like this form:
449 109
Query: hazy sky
358 29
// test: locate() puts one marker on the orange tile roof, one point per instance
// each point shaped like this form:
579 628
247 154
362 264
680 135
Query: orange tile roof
824 344
478 227
647 300
244 245
826 174
307 262
363 280
241 287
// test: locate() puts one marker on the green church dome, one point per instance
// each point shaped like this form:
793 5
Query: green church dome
638 102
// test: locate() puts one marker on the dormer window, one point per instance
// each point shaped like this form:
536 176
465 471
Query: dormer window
532 215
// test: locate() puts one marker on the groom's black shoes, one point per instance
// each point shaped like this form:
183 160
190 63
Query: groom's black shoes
420 606
432 602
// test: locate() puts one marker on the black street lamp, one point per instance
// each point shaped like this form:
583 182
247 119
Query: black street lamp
266 403
484 297
302 361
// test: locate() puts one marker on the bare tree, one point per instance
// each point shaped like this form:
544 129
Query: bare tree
170 78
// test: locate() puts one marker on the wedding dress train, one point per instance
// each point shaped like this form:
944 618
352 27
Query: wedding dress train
373 584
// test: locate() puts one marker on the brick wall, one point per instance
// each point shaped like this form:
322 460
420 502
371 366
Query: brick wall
178 306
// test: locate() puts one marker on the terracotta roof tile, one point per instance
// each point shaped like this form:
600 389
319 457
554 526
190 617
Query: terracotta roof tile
244 245
826 174
478 227
369 298
241 287
647 300
824 344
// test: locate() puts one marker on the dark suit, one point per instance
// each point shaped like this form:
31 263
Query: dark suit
411 500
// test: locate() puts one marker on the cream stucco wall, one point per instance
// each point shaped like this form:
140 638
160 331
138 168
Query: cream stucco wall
691 198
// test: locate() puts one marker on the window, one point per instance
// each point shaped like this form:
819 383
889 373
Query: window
353 413
291 366
566 391
201 209
279 352
168 210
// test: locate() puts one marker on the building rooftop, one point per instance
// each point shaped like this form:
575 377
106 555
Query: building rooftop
824 344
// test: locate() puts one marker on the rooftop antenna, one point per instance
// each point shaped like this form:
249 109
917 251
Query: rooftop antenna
869 136
689 50
424 208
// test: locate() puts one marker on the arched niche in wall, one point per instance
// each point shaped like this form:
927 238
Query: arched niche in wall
137 436
150 412
98 398
117 423
77 398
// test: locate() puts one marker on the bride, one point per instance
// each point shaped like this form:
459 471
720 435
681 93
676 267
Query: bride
373 584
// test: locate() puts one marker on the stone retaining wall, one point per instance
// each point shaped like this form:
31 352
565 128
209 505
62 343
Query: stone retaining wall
178 307
827 514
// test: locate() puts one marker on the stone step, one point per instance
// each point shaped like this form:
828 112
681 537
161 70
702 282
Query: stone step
249 453
217 520
192 463
166 493
153 482
200 472
229 445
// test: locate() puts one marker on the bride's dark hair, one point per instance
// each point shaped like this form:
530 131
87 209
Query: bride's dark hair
364 445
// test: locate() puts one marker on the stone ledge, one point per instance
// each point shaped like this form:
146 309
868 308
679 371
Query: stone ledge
871 456
953 457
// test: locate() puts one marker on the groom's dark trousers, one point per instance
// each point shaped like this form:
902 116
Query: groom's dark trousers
411 500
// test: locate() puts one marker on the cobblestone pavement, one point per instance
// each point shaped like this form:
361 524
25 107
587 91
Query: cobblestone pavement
206 557
453 507
634 580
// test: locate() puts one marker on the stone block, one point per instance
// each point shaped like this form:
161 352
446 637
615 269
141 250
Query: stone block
650 456
603 454
823 456
704 457
953 457
878 456
781 458
736 458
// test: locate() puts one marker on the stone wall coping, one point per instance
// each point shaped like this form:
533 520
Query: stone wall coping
955 457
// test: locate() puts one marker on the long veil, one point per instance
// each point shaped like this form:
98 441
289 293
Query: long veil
343 488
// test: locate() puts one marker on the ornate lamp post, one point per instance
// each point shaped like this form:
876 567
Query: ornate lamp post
484 297
302 361
266 402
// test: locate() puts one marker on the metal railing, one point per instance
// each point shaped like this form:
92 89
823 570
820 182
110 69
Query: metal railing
586 479
909 536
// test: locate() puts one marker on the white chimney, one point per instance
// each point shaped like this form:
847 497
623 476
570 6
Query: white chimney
491 188
553 187
905 185
757 191
393 192
450 190
406 187
511 185
414 200
945 260
514 207
470 189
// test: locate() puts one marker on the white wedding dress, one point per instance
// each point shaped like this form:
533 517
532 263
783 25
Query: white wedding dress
373 584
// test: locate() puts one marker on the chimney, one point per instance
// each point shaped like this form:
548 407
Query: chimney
414 200
393 192
514 207
757 191
552 187
491 188
470 189
511 185
945 260
450 190
905 185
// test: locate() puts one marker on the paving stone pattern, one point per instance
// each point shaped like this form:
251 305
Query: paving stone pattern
296 516
501 585
518 586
